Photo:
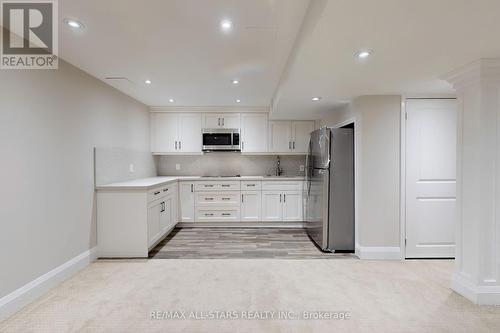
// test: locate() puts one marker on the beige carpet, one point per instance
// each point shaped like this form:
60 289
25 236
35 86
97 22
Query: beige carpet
118 296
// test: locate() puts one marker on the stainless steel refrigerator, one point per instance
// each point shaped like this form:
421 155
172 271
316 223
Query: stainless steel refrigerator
329 210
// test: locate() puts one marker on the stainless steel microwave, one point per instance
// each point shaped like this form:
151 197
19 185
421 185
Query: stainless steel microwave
221 139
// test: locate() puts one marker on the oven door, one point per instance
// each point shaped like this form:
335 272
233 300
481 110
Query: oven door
218 140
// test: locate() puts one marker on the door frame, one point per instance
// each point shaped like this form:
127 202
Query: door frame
357 141
402 173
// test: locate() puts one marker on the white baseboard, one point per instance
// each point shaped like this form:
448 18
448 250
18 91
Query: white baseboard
378 252
481 295
21 297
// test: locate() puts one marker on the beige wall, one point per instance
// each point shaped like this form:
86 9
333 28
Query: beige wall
50 120
378 159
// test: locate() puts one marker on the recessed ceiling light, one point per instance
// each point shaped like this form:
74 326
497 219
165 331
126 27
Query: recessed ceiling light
171 100
147 82
226 25
238 101
74 24
363 54
315 99
235 82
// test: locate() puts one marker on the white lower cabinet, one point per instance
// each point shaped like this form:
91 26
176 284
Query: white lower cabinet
130 222
272 207
186 202
292 206
251 203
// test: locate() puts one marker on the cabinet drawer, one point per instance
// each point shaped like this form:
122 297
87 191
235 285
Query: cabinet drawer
251 185
161 192
222 198
281 185
208 214
220 186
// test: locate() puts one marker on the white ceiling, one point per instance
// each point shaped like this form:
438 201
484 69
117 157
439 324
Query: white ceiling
179 46
284 52
415 42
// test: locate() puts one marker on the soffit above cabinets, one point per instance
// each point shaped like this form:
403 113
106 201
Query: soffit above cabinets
178 45
414 43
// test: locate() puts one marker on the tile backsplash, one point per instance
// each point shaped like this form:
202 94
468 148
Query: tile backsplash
227 164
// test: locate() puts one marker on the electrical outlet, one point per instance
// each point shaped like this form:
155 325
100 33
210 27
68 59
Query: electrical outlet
177 167
131 168
301 168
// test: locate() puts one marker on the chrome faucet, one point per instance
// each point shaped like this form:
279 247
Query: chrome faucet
279 169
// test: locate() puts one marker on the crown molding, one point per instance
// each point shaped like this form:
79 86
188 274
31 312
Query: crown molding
480 71
209 109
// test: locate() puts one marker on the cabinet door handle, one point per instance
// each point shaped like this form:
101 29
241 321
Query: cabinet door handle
226 185
242 145
162 207
293 145
165 190
242 198
250 185
218 122
156 193
208 199
280 197
209 214
289 145
208 185
175 145
226 214
222 121
180 145
226 199
284 197
192 188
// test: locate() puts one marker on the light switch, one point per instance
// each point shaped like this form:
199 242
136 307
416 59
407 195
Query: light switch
177 166
131 168
301 168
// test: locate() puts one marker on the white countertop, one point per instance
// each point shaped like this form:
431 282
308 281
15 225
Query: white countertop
149 183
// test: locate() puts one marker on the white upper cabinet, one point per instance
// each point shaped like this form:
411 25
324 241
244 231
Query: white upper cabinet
253 132
190 138
222 120
280 136
301 133
164 132
289 136
176 133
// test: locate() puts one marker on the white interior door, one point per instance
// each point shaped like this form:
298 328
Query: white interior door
431 128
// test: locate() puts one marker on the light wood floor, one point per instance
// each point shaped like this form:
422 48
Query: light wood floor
239 243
